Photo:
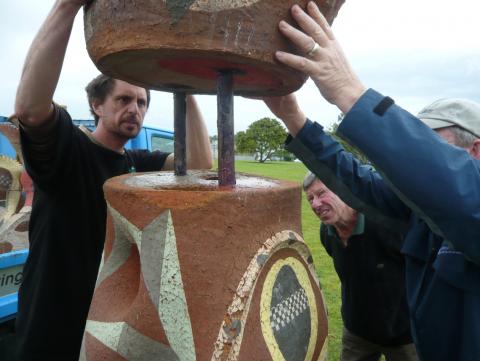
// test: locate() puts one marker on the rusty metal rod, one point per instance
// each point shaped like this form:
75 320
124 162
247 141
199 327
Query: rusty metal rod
180 133
226 142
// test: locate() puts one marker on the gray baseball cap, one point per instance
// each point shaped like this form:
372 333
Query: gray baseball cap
452 111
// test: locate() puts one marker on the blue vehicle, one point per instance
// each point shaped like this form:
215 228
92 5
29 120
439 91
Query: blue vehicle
11 263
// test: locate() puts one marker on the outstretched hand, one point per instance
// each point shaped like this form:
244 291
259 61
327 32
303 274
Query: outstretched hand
325 63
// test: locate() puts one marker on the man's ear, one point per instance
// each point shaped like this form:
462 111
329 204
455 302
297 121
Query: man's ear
97 108
475 149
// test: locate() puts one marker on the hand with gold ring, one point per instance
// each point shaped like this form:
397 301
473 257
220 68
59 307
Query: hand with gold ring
314 49
324 61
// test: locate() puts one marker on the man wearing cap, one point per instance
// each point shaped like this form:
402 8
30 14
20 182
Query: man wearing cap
455 120
424 185
421 195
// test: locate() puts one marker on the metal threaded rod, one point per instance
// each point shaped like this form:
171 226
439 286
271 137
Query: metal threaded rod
180 133
226 142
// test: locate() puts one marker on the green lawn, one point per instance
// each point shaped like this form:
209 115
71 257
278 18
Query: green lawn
310 225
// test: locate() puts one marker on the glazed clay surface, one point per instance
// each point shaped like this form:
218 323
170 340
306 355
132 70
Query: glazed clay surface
193 271
16 192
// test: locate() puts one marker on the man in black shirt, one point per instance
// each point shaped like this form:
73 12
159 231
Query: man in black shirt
69 167
371 269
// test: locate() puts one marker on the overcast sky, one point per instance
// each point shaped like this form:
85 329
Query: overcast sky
415 51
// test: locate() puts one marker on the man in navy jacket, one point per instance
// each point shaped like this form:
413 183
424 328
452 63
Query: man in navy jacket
423 185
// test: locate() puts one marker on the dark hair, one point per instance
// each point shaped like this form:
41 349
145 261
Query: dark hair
99 88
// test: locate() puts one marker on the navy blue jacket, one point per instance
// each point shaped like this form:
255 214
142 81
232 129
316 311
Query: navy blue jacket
426 187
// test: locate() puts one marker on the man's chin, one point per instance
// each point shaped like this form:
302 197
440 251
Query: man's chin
132 135
126 136
326 220
130 132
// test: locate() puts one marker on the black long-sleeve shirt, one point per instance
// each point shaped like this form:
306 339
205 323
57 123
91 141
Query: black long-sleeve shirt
67 233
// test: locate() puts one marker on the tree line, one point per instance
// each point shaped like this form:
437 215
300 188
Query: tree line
265 138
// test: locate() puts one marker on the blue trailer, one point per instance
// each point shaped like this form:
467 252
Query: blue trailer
11 267
149 137
11 264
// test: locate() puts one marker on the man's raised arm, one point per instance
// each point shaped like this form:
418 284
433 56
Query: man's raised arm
410 156
199 153
33 103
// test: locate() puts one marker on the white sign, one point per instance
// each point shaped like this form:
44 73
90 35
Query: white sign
10 279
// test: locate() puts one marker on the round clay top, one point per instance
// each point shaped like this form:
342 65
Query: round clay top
196 181
183 45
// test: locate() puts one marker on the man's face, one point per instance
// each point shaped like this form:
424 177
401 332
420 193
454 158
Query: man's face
450 138
447 135
123 110
325 204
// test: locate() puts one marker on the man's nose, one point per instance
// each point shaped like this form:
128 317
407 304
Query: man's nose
316 202
133 107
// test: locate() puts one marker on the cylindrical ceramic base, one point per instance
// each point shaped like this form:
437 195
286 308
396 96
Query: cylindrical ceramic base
194 271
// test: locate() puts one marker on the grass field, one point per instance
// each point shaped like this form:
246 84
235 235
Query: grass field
310 226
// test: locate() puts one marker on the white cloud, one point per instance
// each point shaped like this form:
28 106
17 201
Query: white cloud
413 50
426 24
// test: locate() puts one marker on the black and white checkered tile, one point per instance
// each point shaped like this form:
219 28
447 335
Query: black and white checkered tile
287 310
5 180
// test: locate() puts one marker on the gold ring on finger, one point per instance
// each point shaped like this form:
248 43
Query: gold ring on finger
314 49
